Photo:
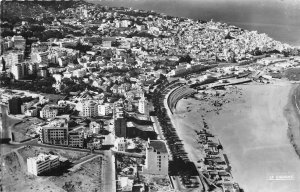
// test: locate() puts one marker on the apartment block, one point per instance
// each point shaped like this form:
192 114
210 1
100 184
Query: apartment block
42 163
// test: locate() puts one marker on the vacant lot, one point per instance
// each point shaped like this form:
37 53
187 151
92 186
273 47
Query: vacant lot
14 175
72 156
87 178
25 129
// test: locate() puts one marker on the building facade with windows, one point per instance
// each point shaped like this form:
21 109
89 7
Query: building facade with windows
89 108
42 163
157 159
143 106
48 112
120 144
56 133
76 139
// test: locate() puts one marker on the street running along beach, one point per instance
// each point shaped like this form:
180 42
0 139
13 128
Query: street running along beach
254 123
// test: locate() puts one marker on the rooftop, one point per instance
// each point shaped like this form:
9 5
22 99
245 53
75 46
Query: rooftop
158 145
44 157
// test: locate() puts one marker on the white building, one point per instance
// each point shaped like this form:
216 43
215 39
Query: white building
18 71
79 73
32 112
89 108
40 57
57 77
143 106
103 109
48 112
120 144
157 160
13 58
42 163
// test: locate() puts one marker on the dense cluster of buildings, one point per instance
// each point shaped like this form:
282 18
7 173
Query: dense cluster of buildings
128 53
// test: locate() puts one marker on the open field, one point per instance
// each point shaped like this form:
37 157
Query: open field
14 175
25 129
6 123
251 125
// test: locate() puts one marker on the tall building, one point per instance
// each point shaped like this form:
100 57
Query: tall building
119 120
42 163
143 106
14 105
120 125
56 133
157 159
13 58
89 108
3 64
17 71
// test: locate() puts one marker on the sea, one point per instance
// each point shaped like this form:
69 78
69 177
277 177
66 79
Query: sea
280 19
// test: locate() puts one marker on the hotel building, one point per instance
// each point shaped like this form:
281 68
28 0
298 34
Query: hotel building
157 160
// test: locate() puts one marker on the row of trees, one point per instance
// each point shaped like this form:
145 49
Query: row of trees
179 166
43 85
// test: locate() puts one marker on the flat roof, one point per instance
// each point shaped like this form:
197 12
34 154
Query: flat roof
158 145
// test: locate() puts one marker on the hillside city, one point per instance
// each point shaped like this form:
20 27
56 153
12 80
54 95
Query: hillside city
100 83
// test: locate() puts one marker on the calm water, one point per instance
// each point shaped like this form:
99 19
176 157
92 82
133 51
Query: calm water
280 19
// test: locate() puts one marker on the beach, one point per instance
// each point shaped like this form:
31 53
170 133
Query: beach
252 126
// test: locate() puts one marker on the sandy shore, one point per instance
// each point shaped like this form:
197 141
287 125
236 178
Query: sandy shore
292 113
253 129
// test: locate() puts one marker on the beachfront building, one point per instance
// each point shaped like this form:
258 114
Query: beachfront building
157 159
143 106
42 163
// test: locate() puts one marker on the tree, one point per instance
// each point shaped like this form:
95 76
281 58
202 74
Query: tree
6 33
185 59
3 64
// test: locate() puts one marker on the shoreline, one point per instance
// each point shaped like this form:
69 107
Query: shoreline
293 118
253 131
